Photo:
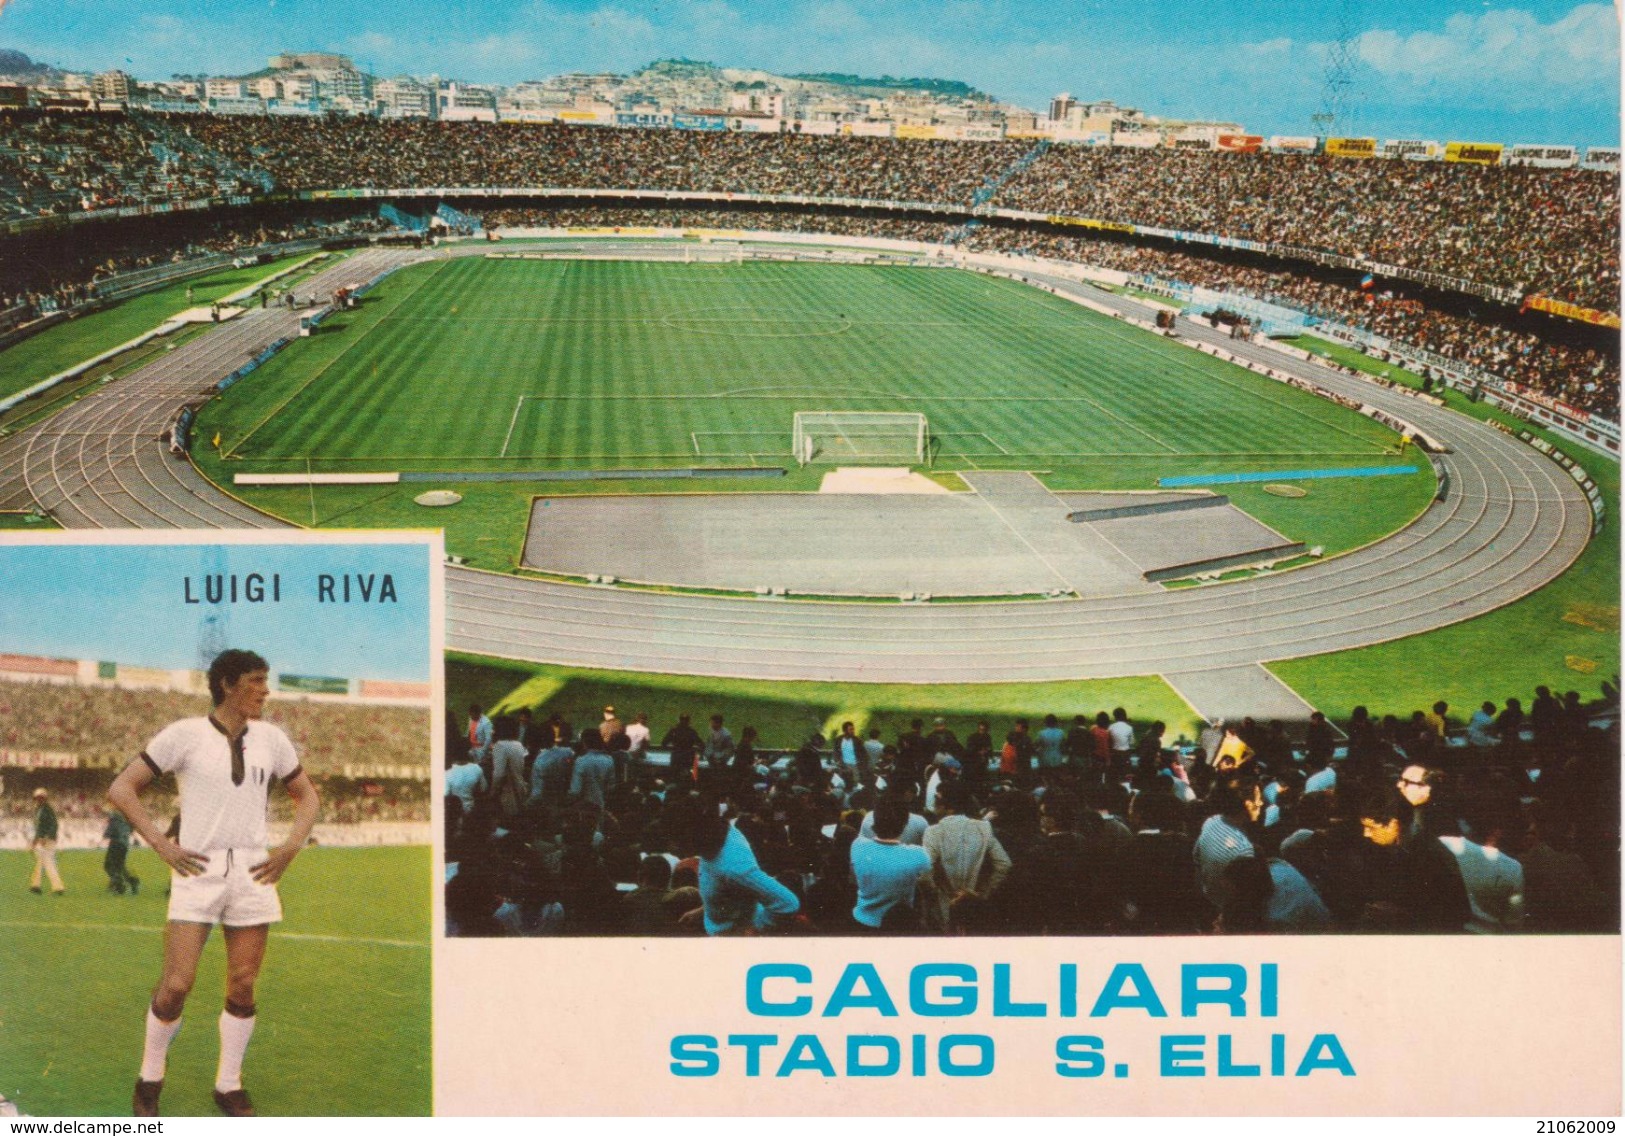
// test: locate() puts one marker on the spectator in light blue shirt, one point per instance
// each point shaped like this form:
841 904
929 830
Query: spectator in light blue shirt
887 871
737 894
1481 727
465 780
1051 741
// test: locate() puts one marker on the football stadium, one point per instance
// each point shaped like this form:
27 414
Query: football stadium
1235 491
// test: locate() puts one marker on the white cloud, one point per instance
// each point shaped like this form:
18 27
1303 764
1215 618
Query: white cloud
1503 48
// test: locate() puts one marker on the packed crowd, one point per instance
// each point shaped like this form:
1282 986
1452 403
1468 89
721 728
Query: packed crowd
1583 377
52 164
405 152
40 275
1090 825
109 726
1555 231
743 217
1552 231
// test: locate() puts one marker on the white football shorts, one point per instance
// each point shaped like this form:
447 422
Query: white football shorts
225 892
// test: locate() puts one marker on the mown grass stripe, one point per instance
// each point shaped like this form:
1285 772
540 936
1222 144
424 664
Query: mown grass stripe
438 374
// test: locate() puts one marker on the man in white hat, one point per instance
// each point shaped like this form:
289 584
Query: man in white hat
611 727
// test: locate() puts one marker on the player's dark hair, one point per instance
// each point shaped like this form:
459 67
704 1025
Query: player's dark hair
1383 805
890 818
955 796
228 667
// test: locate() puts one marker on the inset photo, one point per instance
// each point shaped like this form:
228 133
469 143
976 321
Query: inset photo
215 825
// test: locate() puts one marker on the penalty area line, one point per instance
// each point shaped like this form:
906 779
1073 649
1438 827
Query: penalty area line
512 422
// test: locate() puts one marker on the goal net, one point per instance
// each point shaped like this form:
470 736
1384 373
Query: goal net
859 437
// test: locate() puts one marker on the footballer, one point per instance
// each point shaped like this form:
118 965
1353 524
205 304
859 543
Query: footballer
225 765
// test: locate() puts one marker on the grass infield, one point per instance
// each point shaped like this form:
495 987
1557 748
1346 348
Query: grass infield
343 998
473 364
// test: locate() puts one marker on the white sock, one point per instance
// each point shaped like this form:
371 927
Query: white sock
159 1034
234 1035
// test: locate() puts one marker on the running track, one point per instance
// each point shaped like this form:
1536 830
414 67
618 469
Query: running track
1512 521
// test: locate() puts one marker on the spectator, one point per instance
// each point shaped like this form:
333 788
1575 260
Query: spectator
1226 835
509 786
968 862
1410 880
737 895
888 872
465 780
593 774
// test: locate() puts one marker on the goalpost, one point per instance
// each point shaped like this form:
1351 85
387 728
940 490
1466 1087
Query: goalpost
860 437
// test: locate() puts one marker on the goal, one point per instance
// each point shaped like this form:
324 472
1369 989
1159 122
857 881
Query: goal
860 437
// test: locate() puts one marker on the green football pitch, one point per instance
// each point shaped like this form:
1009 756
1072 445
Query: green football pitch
344 1010
489 364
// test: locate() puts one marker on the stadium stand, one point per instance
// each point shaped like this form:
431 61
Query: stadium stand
1512 227
392 154
1548 231
1508 824
744 217
65 163
1583 374
369 761
105 727
1462 228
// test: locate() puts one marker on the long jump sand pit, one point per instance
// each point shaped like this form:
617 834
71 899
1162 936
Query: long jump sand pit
1009 537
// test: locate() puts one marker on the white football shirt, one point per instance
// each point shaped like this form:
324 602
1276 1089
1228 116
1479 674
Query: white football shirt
216 812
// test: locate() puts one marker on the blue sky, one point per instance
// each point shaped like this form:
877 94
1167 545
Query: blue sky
127 605
1495 70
